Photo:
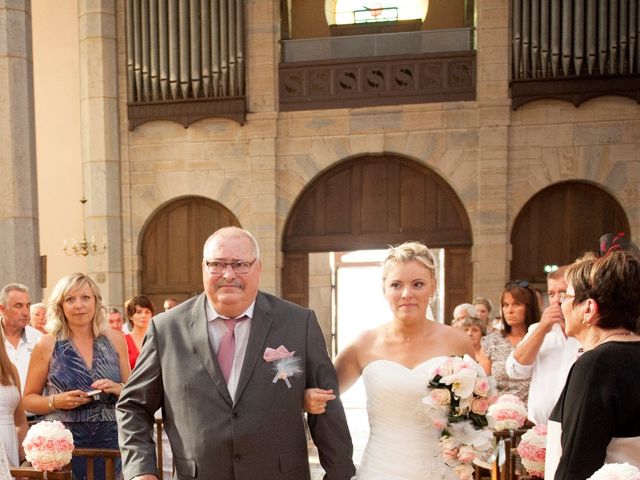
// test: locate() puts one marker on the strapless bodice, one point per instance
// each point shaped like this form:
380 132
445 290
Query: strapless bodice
402 445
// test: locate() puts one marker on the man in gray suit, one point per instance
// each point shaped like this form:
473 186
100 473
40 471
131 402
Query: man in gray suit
229 369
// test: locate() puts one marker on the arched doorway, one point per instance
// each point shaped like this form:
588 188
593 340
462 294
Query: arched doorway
171 247
559 224
370 202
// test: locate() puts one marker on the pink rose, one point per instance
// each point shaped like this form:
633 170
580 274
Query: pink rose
480 406
482 387
466 454
441 396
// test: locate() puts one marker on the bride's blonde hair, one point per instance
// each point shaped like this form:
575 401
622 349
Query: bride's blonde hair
407 252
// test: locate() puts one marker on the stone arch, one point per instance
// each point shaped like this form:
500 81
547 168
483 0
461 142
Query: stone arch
171 246
558 224
369 202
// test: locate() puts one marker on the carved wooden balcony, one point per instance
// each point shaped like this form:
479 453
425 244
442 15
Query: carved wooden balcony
370 70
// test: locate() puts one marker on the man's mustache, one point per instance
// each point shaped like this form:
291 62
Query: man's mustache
222 283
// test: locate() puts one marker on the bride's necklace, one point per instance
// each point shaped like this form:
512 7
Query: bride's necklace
390 334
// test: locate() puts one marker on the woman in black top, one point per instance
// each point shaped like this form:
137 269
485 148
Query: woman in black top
598 410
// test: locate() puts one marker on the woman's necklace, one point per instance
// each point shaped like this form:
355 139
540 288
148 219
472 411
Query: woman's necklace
626 333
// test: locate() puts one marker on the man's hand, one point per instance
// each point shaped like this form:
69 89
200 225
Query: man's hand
315 400
551 315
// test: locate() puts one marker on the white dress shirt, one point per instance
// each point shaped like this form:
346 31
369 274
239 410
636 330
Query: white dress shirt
548 373
217 330
21 354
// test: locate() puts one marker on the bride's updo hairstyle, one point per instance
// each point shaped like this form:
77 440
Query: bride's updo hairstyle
407 252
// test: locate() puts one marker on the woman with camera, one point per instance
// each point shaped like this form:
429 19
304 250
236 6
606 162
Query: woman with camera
78 370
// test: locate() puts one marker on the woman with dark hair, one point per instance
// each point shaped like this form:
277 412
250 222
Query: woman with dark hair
519 307
81 354
140 309
595 420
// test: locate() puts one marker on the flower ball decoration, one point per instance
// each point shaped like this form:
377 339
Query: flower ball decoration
48 446
509 412
532 450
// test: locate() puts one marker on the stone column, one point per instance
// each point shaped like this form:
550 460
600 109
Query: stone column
19 241
100 141
492 247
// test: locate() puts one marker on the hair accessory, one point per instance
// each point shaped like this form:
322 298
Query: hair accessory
610 242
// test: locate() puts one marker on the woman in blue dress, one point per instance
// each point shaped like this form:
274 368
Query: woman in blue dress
80 354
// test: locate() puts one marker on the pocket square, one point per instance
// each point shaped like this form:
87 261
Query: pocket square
273 354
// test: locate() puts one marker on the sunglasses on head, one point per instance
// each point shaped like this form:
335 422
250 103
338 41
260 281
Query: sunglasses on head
518 283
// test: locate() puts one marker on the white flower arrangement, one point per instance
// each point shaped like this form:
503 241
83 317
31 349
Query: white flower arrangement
457 401
532 450
509 412
48 446
616 471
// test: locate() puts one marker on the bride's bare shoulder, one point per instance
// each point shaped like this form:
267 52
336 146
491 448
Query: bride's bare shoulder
455 338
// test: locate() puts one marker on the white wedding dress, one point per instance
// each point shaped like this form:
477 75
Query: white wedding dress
402 445
9 398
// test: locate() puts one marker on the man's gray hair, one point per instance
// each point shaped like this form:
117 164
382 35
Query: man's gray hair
233 232
4 293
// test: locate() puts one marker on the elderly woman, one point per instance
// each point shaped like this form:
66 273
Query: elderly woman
519 310
597 412
140 309
80 355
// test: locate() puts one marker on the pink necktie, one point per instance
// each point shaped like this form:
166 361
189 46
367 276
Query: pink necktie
227 349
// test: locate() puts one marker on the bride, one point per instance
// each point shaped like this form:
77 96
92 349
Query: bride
396 360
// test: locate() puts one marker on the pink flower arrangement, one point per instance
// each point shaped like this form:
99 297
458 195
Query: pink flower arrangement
532 450
509 412
48 446
457 397
616 471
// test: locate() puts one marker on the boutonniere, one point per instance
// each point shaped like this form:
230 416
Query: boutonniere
285 364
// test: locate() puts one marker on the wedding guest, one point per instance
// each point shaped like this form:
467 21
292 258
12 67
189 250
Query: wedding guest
475 329
37 317
520 309
114 318
169 303
483 308
396 361
19 337
595 420
79 355
545 354
462 311
140 309
13 421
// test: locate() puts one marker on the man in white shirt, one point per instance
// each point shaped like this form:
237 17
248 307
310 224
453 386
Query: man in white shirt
545 354
19 336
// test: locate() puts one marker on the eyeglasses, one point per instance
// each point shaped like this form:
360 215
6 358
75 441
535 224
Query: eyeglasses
518 283
237 266
566 296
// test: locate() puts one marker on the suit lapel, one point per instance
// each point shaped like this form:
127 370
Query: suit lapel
260 325
198 326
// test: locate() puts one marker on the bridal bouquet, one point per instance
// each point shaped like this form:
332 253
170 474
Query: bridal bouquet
616 471
48 446
509 412
532 450
458 400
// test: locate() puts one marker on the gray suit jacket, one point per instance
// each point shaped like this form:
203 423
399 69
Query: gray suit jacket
261 436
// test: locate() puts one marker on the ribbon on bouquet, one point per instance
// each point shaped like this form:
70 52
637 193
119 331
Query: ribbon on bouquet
284 362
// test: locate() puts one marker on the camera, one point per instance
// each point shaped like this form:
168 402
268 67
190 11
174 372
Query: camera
94 394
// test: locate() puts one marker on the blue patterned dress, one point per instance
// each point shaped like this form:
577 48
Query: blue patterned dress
93 425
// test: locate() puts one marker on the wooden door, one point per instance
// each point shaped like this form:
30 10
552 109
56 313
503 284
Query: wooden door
171 247
559 224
